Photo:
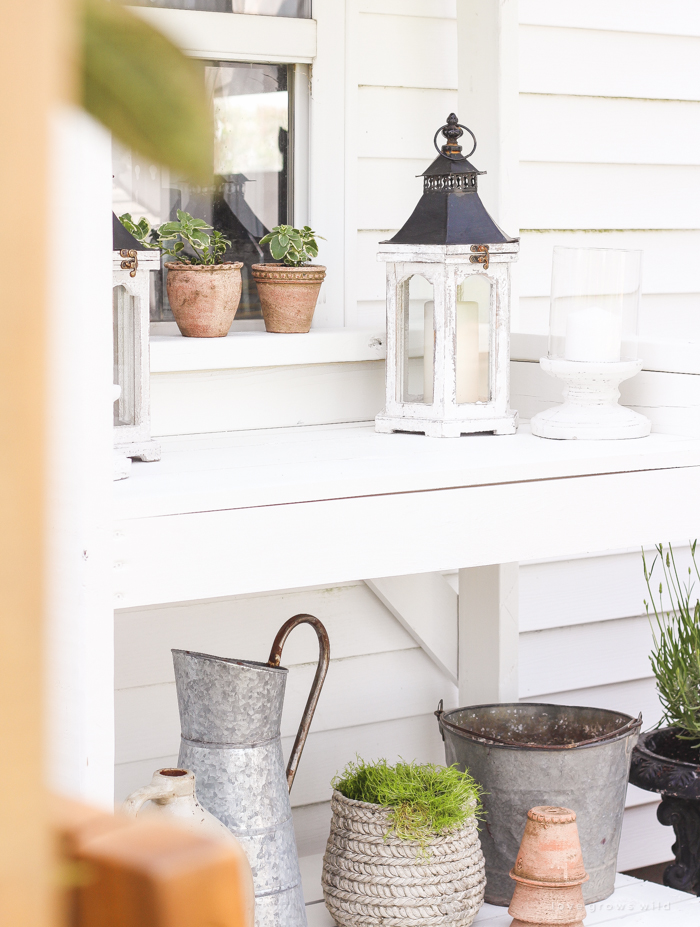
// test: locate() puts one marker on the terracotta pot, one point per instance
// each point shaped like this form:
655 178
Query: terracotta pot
539 904
288 295
550 850
204 297
549 871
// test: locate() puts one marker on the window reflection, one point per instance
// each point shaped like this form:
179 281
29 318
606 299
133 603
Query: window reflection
298 9
250 192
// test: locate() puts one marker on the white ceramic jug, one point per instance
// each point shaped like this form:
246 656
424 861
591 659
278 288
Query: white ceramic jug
171 797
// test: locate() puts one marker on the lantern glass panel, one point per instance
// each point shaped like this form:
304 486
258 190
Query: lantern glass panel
472 349
124 341
416 305
594 305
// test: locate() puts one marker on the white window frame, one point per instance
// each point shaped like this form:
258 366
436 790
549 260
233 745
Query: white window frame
316 48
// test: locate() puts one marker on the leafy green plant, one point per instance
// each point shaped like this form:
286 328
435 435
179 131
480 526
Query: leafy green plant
426 800
292 246
149 94
675 658
207 244
141 230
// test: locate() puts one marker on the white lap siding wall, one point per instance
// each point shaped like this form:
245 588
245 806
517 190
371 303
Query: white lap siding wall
584 641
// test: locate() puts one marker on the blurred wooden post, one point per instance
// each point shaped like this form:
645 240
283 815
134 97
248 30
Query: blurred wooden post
33 74
118 872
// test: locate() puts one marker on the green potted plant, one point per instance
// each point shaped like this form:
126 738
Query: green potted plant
667 760
289 291
203 290
404 846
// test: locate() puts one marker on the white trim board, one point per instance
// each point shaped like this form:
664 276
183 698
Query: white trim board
236 36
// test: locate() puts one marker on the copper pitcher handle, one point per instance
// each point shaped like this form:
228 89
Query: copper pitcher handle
324 656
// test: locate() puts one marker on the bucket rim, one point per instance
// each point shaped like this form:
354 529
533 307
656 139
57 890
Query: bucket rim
231 661
631 726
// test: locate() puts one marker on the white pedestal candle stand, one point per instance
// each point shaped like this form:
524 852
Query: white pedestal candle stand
590 409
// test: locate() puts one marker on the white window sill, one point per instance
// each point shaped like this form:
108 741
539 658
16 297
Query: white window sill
171 353
254 348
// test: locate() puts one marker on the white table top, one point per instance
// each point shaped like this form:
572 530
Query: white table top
282 466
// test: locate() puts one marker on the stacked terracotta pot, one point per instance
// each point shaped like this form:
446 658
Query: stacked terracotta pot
549 871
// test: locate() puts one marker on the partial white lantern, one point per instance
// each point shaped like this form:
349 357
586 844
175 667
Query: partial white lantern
131 269
448 308
593 344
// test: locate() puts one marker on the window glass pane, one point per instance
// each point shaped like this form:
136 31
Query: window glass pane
251 190
298 9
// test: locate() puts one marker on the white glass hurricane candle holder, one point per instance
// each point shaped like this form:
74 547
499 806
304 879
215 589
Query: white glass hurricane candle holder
593 344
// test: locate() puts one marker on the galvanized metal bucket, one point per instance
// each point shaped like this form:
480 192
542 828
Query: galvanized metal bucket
230 714
526 755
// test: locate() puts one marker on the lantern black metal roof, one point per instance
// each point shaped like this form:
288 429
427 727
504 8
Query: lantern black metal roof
450 211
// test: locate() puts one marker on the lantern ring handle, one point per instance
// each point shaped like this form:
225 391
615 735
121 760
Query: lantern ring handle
442 153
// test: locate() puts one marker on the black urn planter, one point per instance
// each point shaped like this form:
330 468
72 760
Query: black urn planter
663 763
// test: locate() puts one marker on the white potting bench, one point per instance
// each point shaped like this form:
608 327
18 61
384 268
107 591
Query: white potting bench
240 513
633 904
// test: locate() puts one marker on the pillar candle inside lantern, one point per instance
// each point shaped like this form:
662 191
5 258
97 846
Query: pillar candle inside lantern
467 351
593 334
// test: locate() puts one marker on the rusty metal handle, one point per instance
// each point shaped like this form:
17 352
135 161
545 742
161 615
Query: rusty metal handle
324 656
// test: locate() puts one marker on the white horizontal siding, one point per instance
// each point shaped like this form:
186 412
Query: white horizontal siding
572 592
675 17
609 64
407 51
354 694
556 127
415 114
443 9
660 248
579 656
609 196
356 620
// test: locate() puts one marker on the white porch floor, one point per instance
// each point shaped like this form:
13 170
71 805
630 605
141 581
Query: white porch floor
633 904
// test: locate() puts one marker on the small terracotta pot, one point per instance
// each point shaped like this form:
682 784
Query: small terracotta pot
550 850
204 297
288 295
540 904
549 871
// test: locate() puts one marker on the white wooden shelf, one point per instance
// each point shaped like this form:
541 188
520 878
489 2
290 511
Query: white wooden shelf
241 349
633 904
228 514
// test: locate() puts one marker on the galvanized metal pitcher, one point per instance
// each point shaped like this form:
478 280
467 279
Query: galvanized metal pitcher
230 714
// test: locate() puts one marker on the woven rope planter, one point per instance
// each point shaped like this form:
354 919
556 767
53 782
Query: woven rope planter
369 878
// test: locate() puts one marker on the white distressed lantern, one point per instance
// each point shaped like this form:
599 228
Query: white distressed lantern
448 307
131 268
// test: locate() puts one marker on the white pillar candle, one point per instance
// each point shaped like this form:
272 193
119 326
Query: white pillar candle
593 334
467 351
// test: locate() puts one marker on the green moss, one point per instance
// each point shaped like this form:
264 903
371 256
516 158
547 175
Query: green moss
426 800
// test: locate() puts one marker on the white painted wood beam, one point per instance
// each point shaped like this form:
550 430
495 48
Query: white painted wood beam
426 606
488 634
488 85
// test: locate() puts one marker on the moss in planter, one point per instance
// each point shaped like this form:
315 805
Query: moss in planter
425 800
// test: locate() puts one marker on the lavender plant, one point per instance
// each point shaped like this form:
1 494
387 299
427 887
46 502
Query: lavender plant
675 658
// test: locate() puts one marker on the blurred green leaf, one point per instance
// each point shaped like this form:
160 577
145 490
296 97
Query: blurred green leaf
145 90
